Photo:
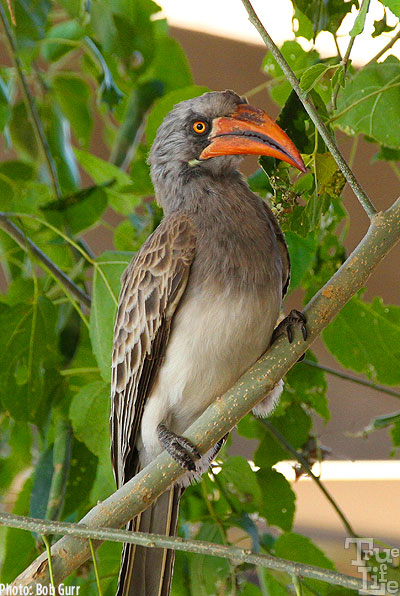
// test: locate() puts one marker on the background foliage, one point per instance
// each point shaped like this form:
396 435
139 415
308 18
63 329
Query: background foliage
113 67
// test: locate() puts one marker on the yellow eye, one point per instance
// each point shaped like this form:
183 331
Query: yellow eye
199 127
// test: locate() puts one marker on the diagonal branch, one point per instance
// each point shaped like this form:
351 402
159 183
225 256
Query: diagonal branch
352 378
304 463
232 553
224 413
27 244
312 112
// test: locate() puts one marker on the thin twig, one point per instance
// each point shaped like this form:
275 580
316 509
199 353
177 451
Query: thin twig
387 47
37 124
352 378
25 243
311 110
95 567
307 468
231 553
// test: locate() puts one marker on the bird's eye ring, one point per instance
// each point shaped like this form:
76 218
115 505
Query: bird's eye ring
199 127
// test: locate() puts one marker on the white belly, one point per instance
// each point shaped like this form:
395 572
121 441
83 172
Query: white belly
212 342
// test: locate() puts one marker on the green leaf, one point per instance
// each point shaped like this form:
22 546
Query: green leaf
338 79
31 18
17 170
249 590
165 104
307 384
302 253
102 171
373 339
181 578
240 484
301 549
207 572
387 154
73 95
19 440
359 23
295 121
370 103
41 484
89 414
395 433
298 59
170 65
106 286
124 28
22 133
19 544
128 237
325 15
394 6
302 26
53 50
80 210
294 425
28 355
279 509
313 75
272 586
82 474
382 27
5 104
58 136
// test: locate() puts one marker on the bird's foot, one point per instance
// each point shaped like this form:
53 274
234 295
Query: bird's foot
285 327
182 450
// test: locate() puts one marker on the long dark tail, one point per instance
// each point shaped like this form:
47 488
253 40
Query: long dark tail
148 571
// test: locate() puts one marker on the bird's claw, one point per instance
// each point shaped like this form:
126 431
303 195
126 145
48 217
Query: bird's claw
180 449
295 317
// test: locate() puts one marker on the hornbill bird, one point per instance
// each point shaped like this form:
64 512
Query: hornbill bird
198 305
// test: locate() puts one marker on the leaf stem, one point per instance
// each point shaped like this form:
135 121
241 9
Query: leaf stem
48 551
24 242
352 378
387 47
177 543
96 570
356 103
311 110
302 460
30 102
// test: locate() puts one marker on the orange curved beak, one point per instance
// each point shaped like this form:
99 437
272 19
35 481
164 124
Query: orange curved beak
249 131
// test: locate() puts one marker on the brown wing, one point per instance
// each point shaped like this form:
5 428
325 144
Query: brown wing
283 248
152 286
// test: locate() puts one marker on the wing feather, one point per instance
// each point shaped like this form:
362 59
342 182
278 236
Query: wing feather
152 286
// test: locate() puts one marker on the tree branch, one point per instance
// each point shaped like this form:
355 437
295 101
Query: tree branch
387 47
352 378
37 124
304 463
224 413
12 230
176 543
312 112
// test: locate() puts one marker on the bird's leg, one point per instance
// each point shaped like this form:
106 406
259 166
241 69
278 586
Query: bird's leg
181 449
285 327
